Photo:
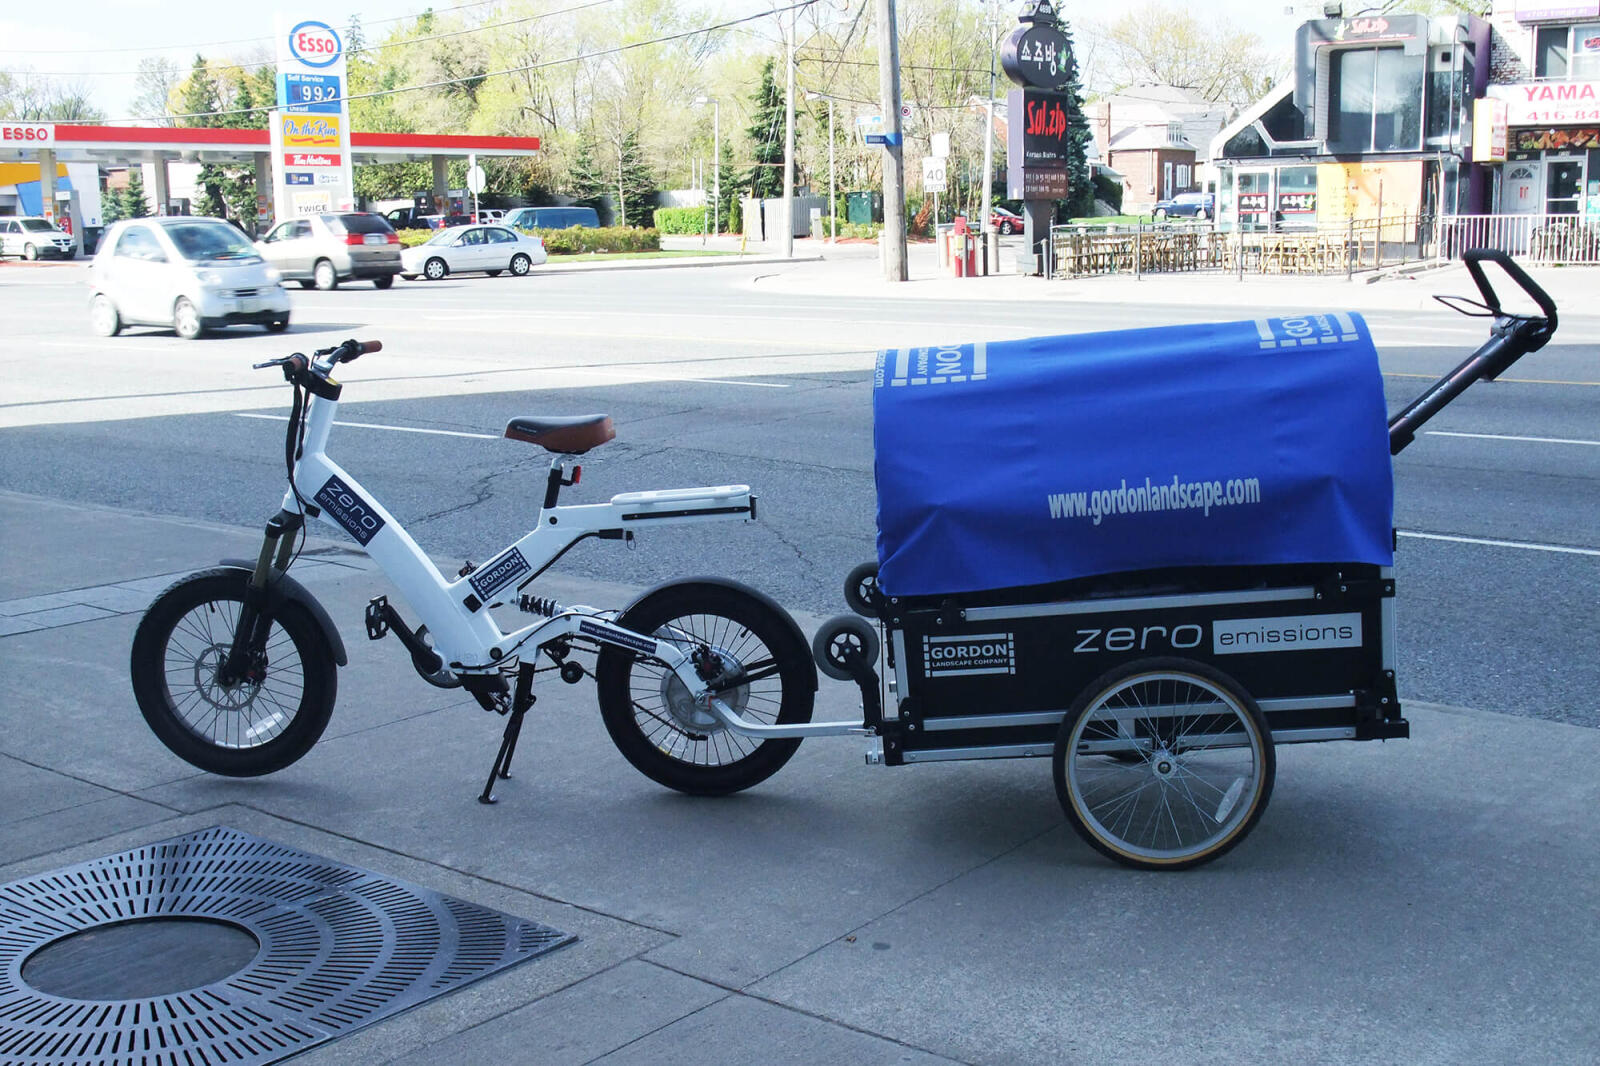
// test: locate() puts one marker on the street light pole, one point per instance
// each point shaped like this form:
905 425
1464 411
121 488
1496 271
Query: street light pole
788 140
716 159
716 165
833 215
988 139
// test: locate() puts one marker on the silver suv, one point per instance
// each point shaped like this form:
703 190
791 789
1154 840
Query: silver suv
323 250
33 237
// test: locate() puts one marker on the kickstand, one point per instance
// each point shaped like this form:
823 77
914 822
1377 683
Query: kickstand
520 702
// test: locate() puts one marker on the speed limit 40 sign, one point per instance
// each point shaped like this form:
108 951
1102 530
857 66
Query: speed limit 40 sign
933 174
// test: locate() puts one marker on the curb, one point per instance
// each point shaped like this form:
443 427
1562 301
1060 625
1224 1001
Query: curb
686 263
1408 270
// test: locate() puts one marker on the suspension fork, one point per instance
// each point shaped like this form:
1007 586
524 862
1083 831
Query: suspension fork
250 635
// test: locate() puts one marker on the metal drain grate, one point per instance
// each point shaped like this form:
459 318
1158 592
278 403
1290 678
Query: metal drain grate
341 948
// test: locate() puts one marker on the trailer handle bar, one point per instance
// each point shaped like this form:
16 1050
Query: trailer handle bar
1510 338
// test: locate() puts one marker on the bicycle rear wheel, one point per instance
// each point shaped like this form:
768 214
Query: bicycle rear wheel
257 725
654 721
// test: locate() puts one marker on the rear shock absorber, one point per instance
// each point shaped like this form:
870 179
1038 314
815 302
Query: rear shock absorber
540 605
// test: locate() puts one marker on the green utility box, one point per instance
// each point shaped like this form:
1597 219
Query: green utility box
864 207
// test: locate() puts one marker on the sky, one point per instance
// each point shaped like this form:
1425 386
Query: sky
99 42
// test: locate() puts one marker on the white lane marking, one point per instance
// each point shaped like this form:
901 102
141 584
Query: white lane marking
1524 545
654 380
377 425
1502 436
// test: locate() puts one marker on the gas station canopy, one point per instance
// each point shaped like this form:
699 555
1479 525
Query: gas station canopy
133 144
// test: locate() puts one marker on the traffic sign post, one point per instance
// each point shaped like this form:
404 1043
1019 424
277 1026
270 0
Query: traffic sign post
933 180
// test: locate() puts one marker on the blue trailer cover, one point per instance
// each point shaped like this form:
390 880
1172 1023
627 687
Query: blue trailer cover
1026 462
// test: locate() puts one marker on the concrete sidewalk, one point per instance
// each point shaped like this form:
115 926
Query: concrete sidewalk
849 271
1424 901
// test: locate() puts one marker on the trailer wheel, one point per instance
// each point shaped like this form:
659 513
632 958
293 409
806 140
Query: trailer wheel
861 589
1190 770
839 638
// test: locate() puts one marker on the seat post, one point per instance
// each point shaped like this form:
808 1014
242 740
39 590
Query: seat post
552 485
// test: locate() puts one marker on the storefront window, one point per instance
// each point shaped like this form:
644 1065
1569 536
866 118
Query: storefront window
1297 198
1375 100
1586 52
1550 52
1255 200
1561 52
1441 96
1246 144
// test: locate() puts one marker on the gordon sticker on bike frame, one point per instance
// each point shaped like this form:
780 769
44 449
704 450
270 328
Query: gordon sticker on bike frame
497 574
354 514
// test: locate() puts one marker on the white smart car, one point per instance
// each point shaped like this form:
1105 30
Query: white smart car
192 274
460 249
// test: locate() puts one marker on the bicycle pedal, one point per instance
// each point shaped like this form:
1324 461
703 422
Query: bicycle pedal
378 618
466 568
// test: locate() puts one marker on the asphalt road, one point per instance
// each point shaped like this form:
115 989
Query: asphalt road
712 379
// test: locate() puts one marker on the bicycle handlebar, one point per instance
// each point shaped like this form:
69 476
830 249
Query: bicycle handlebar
348 352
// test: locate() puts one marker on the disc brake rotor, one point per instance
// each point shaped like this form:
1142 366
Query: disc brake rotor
693 717
226 697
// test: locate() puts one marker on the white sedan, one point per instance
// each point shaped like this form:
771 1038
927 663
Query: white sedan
460 249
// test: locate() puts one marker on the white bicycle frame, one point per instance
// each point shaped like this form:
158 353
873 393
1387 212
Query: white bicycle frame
456 612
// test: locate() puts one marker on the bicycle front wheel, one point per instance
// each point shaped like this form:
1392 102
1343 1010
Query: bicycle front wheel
654 720
259 724
1164 763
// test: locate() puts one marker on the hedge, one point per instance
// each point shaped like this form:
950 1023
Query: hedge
575 240
578 240
681 220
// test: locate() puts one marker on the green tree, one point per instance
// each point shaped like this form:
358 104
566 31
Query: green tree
636 184
585 183
1081 202
132 201
765 178
199 97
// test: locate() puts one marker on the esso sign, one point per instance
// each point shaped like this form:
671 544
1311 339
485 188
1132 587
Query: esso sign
27 134
315 44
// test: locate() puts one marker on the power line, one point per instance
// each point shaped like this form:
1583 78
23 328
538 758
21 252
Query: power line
486 75
357 52
218 44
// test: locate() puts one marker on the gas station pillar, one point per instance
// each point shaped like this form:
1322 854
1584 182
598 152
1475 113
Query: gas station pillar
264 216
160 186
441 184
47 183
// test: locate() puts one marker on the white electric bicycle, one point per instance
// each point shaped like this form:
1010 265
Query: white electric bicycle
705 685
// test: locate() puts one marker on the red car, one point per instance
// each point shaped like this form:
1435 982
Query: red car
1004 221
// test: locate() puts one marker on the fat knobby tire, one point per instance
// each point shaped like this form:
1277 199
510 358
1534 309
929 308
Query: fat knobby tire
308 717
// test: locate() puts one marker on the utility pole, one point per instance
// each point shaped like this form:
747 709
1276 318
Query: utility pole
893 237
788 140
832 215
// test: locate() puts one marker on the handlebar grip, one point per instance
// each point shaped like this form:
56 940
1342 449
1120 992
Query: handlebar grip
352 349
1474 258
